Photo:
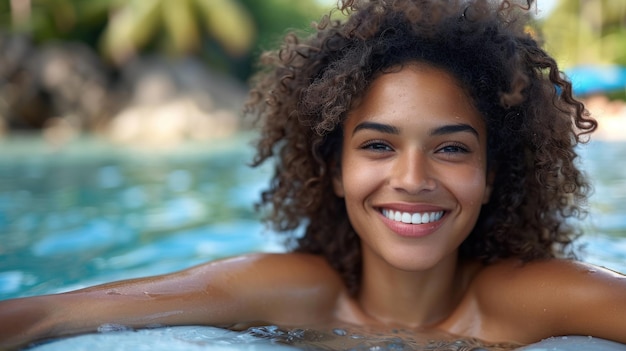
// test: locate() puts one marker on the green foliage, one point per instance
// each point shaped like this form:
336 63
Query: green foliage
587 32
226 33
71 20
177 27
274 19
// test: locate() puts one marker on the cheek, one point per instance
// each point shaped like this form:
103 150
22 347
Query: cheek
469 186
359 179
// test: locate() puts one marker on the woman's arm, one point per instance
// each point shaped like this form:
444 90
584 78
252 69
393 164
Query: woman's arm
270 288
592 302
535 300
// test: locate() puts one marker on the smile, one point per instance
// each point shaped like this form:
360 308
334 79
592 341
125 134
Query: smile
412 218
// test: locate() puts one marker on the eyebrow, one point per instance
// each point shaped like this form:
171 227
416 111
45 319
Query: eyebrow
379 127
443 130
454 128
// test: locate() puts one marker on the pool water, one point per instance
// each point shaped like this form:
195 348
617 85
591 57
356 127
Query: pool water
92 212
605 227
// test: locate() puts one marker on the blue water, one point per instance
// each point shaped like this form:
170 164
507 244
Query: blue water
91 212
605 228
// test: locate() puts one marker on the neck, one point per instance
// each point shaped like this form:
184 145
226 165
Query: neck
411 299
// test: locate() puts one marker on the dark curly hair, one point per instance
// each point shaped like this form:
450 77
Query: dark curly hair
533 122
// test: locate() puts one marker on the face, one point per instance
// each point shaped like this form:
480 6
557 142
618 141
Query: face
413 168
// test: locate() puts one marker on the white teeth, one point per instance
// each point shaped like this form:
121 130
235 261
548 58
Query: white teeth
406 217
414 218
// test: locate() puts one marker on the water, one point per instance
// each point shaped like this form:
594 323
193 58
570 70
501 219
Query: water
257 339
605 228
92 213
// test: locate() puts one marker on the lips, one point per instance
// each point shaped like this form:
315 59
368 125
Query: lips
410 220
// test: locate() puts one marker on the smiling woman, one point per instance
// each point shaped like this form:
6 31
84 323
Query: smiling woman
424 157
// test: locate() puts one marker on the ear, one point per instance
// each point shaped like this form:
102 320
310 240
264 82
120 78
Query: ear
491 175
337 179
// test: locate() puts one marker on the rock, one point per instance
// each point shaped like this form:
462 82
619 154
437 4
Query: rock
174 101
63 89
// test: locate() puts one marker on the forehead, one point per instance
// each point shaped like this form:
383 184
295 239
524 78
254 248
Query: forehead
416 91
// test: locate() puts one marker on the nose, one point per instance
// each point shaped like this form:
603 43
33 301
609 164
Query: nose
413 173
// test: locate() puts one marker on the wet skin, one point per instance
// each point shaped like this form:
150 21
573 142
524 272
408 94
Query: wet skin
415 145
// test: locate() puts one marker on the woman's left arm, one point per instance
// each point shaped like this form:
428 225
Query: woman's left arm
528 302
590 300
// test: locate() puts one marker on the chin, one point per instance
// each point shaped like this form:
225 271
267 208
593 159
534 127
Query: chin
416 261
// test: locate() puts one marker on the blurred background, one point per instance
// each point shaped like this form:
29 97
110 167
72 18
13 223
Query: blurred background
156 71
161 71
123 150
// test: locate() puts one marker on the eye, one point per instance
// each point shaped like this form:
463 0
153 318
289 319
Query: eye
454 148
376 146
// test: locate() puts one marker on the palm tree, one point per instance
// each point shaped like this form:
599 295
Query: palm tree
184 24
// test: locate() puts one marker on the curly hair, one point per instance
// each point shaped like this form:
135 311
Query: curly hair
533 122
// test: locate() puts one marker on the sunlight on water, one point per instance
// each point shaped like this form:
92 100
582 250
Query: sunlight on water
93 212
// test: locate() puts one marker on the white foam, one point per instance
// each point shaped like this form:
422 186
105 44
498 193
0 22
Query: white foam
186 338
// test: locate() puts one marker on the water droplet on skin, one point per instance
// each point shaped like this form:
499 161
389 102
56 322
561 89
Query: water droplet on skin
340 332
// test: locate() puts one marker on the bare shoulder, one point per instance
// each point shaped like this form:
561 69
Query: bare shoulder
555 270
553 297
545 275
283 268
290 288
